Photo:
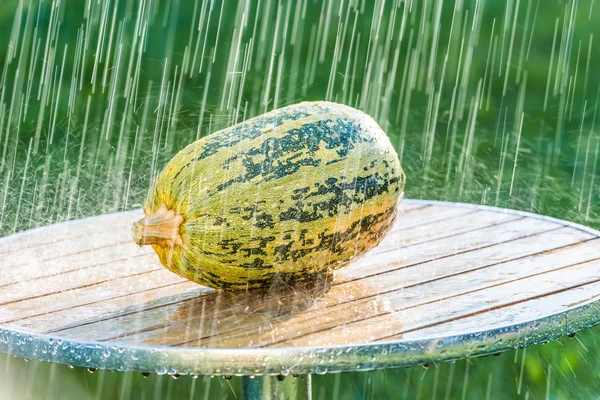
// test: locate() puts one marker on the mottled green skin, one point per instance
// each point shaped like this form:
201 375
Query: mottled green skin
297 191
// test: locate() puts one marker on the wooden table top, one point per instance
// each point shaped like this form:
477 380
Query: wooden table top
449 281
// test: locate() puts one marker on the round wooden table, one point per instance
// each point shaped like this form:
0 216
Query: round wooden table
450 281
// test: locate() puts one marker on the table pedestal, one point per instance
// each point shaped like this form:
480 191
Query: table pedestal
273 387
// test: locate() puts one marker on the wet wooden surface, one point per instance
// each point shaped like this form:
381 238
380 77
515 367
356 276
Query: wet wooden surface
443 270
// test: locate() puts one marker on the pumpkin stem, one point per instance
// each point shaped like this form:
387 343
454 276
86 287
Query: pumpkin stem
160 228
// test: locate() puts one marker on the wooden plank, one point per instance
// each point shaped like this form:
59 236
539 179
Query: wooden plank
412 296
77 278
508 294
76 262
394 325
48 322
246 328
86 295
428 215
61 233
499 274
252 303
405 207
161 323
395 279
441 269
511 315
80 278
401 237
509 250
381 261
83 244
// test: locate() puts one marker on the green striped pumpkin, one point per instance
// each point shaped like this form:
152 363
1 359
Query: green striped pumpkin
286 195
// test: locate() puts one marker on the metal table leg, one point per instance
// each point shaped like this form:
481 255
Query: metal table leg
277 388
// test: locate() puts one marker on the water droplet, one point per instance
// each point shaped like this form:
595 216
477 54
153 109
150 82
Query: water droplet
145 374
320 370
70 366
91 370
160 370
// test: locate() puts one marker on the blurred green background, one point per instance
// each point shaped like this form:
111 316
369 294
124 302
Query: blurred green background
487 102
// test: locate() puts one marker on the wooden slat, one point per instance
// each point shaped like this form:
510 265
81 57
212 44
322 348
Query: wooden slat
139 297
514 314
405 207
382 261
393 325
416 304
81 245
402 299
80 270
453 225
441 270
78 274
431 313
428 215
79 278
118 253
162 324
60 234
86 295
